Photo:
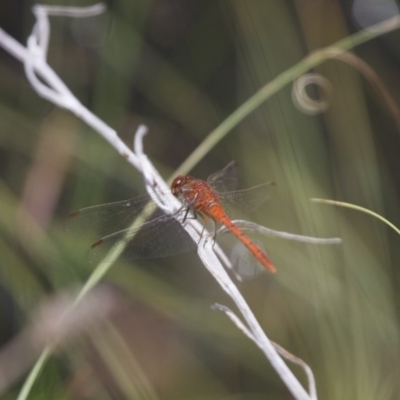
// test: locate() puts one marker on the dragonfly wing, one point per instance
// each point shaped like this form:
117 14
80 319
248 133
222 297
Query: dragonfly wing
158 238
105 219
244 263
247 200
225 180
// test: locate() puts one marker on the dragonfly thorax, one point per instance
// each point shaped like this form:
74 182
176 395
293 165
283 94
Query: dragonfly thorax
194 193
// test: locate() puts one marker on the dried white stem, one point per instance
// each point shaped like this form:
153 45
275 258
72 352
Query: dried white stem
253 329
247 225
47 83
284 353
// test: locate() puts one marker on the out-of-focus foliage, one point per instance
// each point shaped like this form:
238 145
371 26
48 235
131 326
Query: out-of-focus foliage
182 67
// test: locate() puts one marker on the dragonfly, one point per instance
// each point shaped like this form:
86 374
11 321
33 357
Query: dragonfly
162 234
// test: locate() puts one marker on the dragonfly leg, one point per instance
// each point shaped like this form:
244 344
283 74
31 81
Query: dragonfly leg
194 215
187 216
215 232
211 235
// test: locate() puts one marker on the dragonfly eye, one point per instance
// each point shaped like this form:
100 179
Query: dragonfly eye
179 182
176 185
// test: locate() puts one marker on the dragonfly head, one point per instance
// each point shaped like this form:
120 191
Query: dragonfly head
178 184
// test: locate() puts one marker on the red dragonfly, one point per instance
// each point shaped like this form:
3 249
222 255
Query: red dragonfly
162 234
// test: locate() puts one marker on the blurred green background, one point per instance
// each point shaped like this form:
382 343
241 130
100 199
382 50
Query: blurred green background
181 68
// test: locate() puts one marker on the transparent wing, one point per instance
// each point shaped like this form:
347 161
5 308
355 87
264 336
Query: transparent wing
161 237
247 200
106 219
243 262
225 180
234 201
155 234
